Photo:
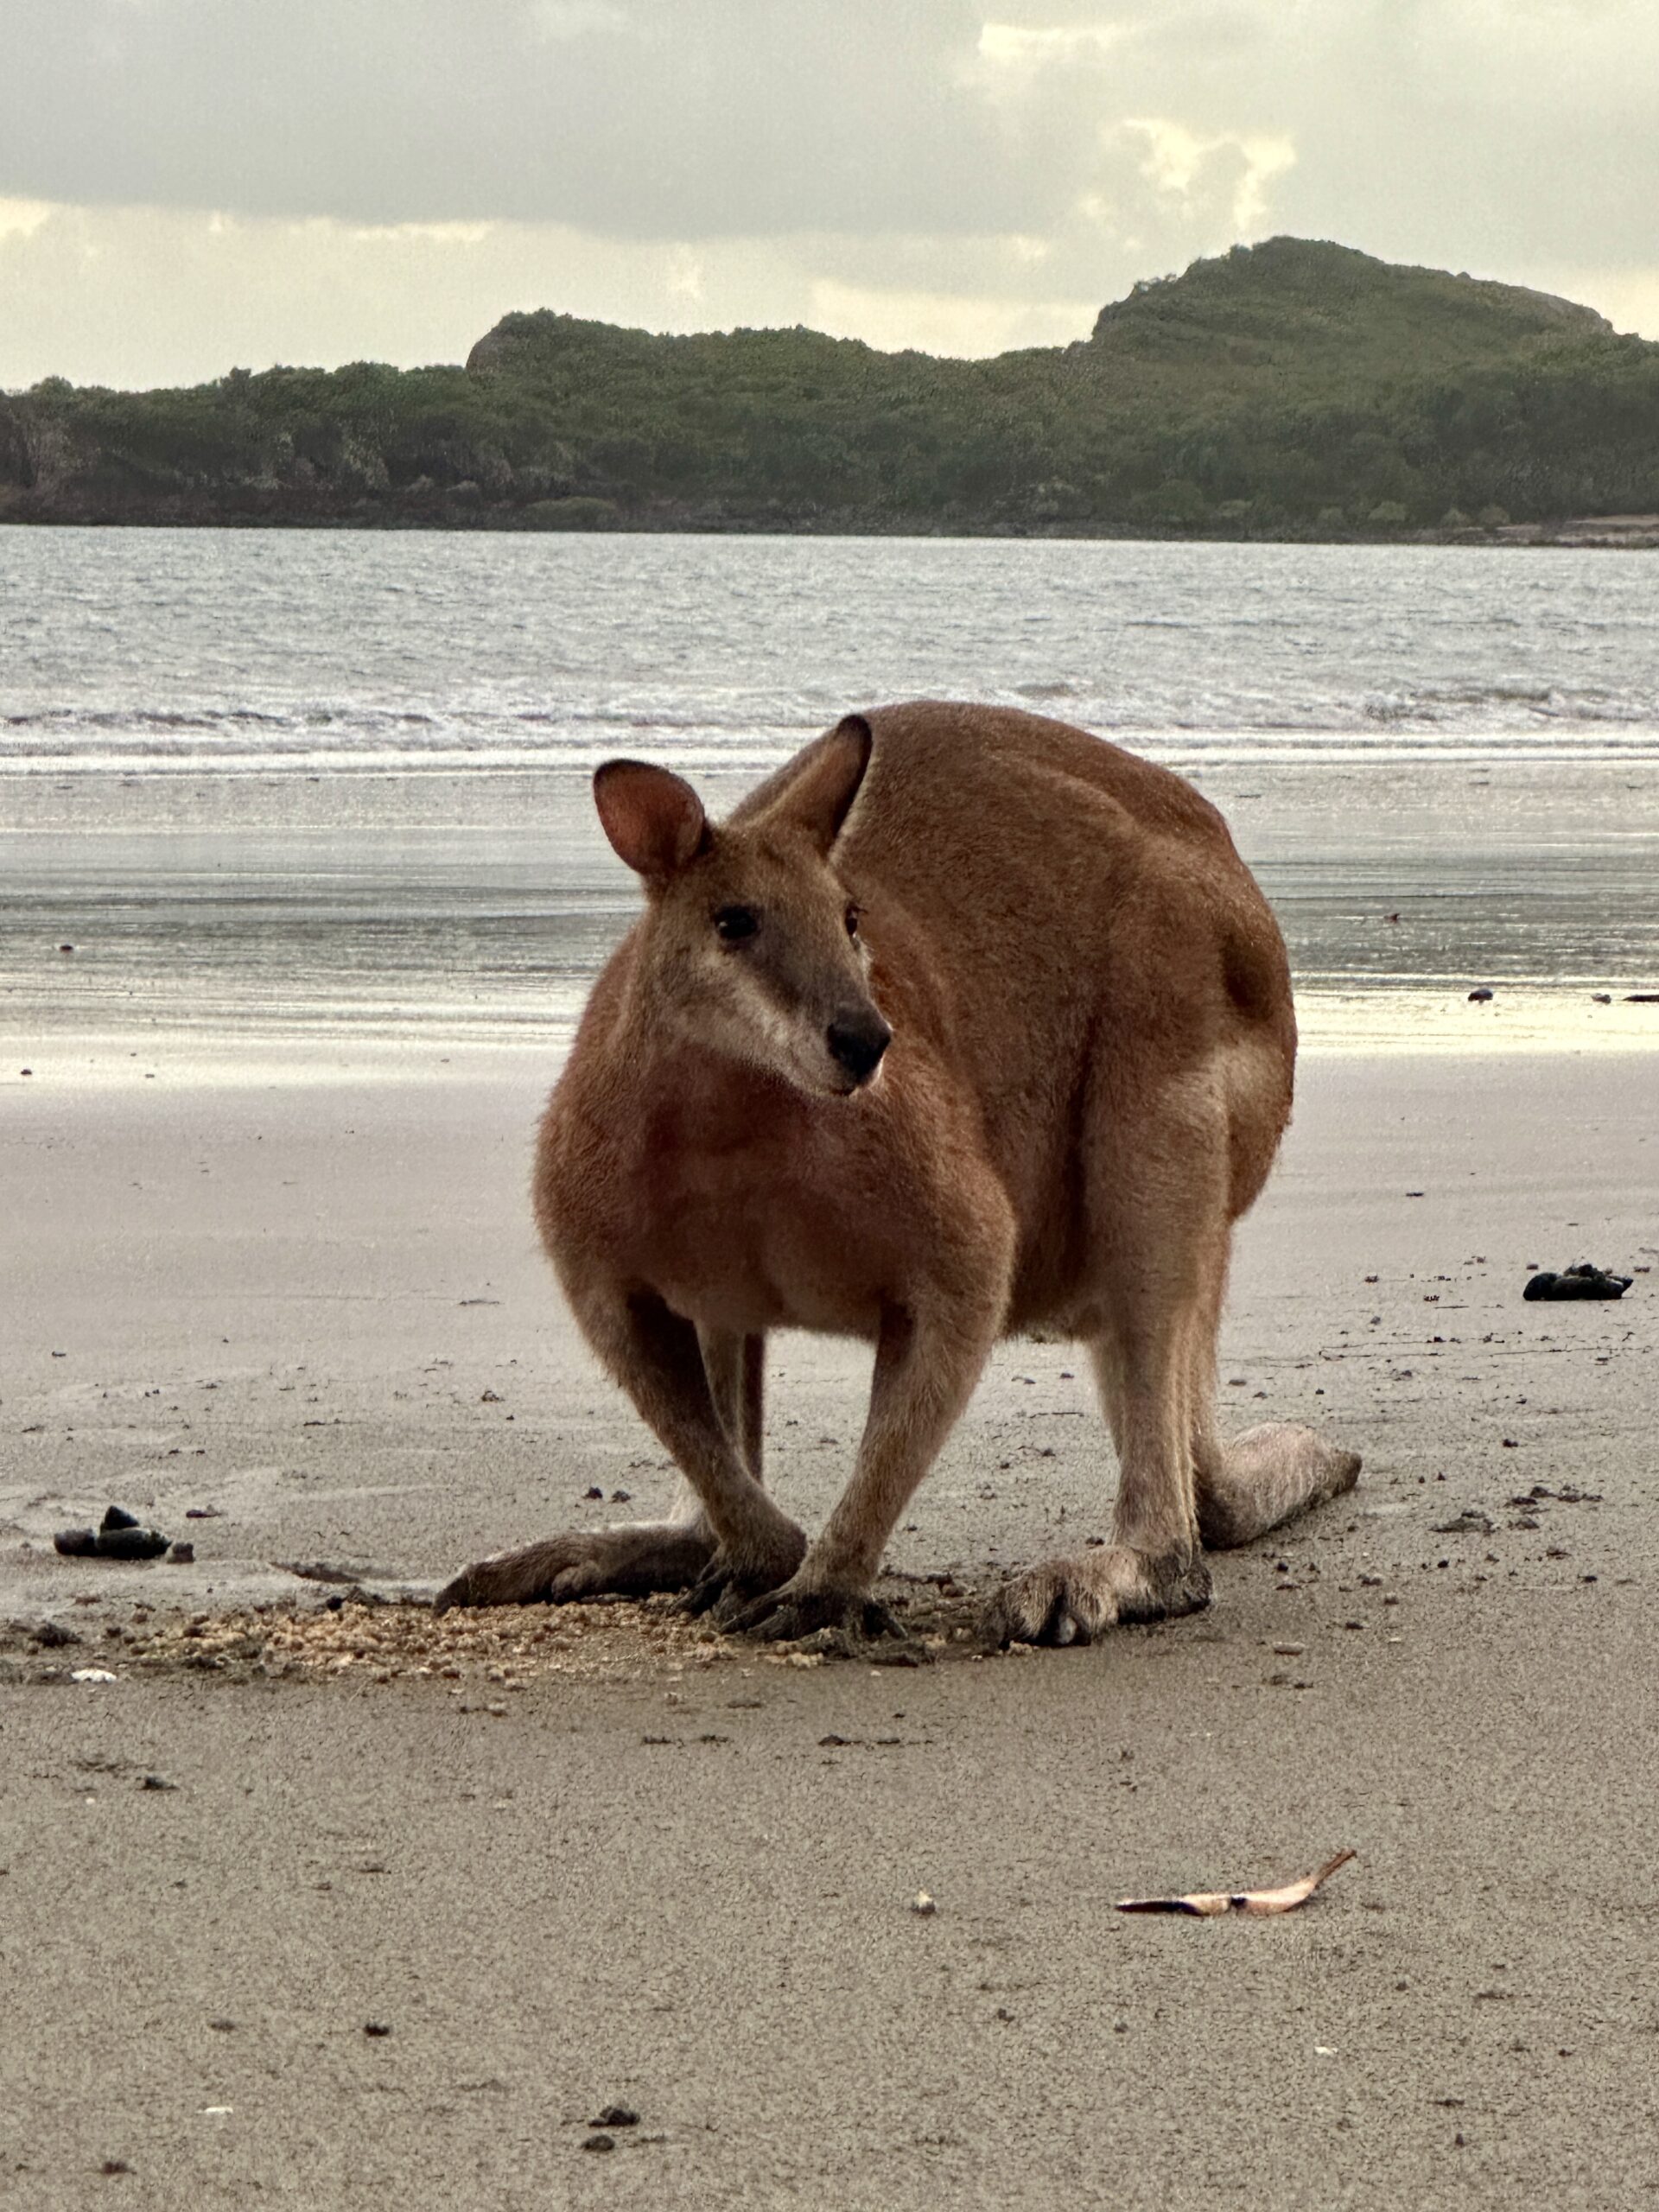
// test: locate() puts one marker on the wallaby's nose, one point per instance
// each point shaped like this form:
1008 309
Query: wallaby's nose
857 1042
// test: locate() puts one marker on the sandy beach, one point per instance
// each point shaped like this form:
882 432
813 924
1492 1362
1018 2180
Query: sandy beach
604 1862
300 890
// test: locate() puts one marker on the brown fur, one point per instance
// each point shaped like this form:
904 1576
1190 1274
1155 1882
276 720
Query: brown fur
1089 1073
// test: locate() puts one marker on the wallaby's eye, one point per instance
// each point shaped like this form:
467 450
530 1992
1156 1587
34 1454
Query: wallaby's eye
852 921
733 924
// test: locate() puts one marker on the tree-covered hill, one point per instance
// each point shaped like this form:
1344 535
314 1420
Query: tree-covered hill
1288 388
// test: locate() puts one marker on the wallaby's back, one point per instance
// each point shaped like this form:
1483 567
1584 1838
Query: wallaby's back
1067 920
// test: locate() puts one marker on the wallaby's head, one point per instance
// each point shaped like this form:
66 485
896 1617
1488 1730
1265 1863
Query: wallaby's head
750 942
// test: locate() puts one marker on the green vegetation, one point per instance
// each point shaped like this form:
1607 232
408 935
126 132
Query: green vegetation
1291 388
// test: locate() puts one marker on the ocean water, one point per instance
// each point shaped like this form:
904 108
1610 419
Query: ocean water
323 793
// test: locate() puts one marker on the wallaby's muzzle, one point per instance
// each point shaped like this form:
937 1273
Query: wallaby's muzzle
857 1038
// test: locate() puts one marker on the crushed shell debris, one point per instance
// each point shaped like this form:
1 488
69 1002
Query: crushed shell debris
494 1652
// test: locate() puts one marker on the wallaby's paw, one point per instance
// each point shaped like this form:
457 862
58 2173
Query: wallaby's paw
786 1615
1074 1600
729 1580
627 1562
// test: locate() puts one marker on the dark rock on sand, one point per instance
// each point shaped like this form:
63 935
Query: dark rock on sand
118 1536
121 1536
1580 1282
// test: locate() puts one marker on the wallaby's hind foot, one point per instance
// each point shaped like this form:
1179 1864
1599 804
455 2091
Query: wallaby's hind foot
1074 1600
628 1562
1266 1476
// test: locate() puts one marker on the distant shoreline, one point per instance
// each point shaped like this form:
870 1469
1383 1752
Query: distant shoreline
1292 392
1610 533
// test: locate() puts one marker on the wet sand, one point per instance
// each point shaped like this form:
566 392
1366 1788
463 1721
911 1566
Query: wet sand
626 1865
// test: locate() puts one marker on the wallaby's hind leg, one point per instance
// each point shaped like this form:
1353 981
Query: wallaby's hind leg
630 1562
1160 1400
1151 1569
1160 1194
736 1368
704 1400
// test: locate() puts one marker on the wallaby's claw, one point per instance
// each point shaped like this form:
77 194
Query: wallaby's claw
726 1586
785 1616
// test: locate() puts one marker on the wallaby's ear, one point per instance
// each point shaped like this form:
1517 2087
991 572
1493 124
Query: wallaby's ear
653 818
818 795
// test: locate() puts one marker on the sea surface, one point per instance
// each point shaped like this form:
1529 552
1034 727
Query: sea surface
298 798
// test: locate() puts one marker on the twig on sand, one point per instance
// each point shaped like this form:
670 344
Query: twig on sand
1210 1904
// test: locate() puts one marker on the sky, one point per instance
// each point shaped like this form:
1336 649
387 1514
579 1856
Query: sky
187 185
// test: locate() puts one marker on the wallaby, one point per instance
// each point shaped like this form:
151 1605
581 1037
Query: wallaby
965 1024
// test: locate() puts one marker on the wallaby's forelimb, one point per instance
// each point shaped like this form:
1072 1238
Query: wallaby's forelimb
925 1369
656 1357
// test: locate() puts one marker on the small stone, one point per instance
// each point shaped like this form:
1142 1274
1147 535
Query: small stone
616 2116
157 1782
599 2143
52 1636
182 1554
376 2028
923 1905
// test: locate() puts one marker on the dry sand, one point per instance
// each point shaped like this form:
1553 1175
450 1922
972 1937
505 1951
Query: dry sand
597 1858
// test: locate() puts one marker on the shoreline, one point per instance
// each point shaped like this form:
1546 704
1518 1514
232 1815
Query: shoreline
1576 534
1347 1024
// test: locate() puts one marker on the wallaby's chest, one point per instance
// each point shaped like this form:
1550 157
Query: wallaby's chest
748 1224
765 1234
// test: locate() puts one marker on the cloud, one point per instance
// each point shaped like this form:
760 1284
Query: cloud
1192 168
968 166
23 218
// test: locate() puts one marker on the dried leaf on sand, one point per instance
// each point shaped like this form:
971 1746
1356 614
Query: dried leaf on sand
1210 1904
